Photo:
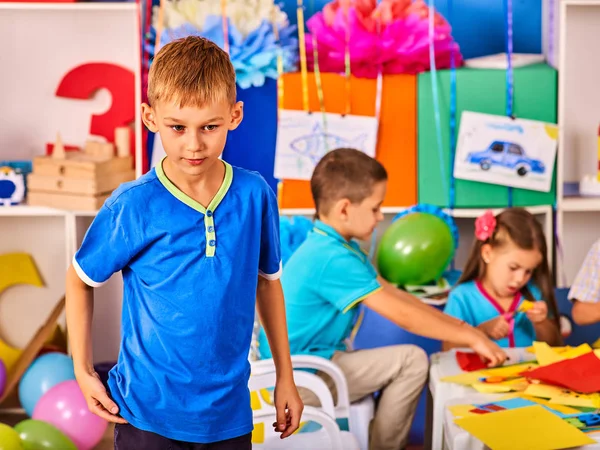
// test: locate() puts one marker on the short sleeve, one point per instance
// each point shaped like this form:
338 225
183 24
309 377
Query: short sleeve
104 250
586 287
346 280
269 265
456 306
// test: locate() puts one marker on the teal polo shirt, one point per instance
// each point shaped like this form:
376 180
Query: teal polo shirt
190 275
323 282
472 303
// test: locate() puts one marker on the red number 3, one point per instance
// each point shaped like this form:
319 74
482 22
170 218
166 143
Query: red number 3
84 81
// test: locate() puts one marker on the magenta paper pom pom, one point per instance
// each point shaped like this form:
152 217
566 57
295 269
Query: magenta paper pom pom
397 42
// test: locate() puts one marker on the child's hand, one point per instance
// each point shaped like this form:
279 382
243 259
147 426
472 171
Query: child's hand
489 351
538 313
497 328
96 397
289 407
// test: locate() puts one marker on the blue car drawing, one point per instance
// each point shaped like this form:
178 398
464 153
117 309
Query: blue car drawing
506 154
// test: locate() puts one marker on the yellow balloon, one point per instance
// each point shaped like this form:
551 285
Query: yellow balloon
16 268
9 438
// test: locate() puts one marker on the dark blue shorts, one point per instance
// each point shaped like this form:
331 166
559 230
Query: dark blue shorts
127 437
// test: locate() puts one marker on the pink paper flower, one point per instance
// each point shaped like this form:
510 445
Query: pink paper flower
485 226
392 37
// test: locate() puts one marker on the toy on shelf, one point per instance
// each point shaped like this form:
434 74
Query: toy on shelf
82 179
12 186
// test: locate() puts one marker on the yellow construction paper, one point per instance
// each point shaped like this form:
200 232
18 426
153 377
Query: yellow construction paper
491 388
466 378
459 411
508 371
559 408
529 428
560 396
596 344
545 354
525 306
577 351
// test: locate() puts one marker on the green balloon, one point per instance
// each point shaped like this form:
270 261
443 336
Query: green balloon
9 438
38 435
415 249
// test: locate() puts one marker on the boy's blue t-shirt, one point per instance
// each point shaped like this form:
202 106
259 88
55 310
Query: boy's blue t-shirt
470 302
190 276
323 281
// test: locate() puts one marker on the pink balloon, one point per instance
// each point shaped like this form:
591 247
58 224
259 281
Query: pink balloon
64 407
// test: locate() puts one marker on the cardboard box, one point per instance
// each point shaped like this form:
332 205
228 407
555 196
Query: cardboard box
480 90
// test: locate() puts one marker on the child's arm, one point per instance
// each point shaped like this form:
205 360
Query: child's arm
411 314
79 307
585 313
271 311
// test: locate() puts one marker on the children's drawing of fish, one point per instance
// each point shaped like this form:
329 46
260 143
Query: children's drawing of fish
314 146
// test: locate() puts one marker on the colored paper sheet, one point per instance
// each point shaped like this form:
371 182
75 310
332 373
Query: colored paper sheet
581 374
466 379
563 409
545 354
469 361
577 351
492 388
525 306
596 344
560 396
514 370
459 411
531 428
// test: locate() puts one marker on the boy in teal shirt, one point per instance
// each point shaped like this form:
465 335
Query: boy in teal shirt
329 276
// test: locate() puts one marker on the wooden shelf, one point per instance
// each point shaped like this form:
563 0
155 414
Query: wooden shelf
580 204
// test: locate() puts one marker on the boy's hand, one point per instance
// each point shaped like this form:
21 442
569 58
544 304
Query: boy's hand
97 398
488 350
538 313
289 407
497 328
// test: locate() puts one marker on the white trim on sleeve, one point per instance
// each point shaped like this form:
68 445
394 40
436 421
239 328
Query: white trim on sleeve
87 280
271 276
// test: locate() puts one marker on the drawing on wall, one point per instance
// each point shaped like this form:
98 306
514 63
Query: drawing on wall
511 152
303 138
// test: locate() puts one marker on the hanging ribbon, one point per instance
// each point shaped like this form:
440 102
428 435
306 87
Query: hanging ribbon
279 61
348 71
452 118
550 56
319 84
509 74
303 65
436 100
225 25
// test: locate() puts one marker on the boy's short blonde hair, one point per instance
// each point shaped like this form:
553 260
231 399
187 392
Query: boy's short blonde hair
344 173
192 71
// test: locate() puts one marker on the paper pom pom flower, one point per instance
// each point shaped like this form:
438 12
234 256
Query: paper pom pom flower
252 46
392 37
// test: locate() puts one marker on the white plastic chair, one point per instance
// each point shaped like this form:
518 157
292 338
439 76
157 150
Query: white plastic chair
354 417
328 437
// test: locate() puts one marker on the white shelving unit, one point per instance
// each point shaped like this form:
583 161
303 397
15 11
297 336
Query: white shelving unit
578 218
39 44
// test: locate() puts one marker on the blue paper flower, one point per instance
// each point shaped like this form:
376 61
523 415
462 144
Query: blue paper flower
253 57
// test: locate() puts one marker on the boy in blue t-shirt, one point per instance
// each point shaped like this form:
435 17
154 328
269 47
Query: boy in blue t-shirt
197 241
328 276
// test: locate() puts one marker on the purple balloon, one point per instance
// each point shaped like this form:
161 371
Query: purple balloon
64 407
2 377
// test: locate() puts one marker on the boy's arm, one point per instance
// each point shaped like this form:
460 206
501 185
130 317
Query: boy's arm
79 308
411 314
271 311
585 313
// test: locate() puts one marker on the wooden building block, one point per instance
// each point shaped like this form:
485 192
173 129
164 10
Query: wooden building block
79 186
66 201
80 165
122 141
99 149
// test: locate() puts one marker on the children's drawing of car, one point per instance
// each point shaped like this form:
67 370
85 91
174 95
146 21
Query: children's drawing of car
506 154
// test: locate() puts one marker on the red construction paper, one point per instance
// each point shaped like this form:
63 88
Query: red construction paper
470 362
581 374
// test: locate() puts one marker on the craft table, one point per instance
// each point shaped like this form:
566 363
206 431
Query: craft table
442 365
455 438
